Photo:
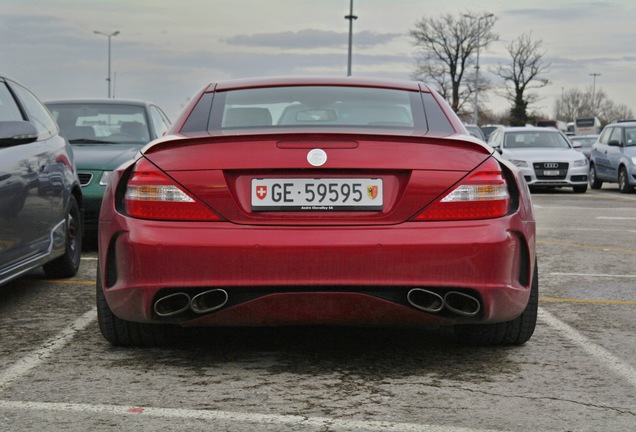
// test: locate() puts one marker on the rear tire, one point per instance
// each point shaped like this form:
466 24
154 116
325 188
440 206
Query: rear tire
623 181
67 265
515 332
120 332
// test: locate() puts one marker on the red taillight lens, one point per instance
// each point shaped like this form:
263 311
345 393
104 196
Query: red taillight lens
481 195
151 194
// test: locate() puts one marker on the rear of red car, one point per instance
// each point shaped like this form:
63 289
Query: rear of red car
326 201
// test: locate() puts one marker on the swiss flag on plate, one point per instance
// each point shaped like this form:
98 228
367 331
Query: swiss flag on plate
261 192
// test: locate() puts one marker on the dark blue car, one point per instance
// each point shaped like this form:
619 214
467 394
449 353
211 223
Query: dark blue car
40 194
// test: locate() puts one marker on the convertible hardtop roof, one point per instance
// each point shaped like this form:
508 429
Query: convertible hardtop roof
319 81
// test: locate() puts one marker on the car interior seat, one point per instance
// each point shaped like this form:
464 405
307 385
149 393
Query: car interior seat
247 117
136 130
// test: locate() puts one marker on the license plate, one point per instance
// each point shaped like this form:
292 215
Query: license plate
317 194
551 173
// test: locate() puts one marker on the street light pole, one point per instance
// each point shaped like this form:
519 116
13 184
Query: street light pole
594 91
350 17
109 36
475 108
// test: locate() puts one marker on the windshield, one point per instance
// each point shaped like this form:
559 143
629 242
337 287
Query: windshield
85 123
535 139
301 106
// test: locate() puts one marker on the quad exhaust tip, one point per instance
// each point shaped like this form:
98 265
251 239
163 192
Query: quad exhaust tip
176 303
172 304
425 300
209 301
454 301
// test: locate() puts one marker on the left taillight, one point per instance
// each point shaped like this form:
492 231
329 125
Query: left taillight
151 194
481 195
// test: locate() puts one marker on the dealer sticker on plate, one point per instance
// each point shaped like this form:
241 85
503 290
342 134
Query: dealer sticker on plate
317 194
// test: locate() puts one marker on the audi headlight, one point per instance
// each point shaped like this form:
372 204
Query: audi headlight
519 163
580 162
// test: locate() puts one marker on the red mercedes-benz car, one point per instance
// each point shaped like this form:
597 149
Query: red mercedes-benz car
303 201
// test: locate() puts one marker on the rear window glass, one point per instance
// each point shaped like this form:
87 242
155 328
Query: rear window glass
317 106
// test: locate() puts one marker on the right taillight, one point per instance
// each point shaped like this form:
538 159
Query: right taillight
481 195
151 194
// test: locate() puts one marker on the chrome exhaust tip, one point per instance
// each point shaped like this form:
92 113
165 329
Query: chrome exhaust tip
462 304
172 304
425 300
208 301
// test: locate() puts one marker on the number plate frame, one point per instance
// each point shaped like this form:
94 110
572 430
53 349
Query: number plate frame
551 173
329 194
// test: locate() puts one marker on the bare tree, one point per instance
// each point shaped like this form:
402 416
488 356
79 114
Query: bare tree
576 103
448 45
523 74
617 112
573 103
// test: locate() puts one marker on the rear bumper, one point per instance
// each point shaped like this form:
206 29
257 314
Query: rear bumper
317 275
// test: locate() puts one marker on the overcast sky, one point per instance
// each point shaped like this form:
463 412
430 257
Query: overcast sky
169 49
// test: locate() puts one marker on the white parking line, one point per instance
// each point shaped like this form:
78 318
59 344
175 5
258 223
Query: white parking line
557 228
602 355
25 364
236 417
593 275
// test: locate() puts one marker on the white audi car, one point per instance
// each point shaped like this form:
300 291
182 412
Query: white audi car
544 155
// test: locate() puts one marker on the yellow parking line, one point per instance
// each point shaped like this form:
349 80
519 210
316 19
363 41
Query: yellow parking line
573 300
604 248
71 282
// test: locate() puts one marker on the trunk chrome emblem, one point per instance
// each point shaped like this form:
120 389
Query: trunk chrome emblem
317 157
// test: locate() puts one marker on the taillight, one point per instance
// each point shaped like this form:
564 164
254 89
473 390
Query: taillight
151 194
481 195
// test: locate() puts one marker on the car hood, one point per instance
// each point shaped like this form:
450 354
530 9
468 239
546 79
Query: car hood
543 154
105 157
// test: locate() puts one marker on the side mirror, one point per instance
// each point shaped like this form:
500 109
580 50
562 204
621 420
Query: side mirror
577 144
614 143
16 133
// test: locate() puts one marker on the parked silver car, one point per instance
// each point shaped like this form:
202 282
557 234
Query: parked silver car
544 155
40 194
613 157
583 143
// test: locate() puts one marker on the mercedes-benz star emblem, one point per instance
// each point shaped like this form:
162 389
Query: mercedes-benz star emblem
317 157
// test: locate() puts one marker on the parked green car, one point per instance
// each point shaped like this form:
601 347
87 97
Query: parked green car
104 133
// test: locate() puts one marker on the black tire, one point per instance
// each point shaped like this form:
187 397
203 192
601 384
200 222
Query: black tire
623 181
595 183
68 264
515 332
580 189
120 332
